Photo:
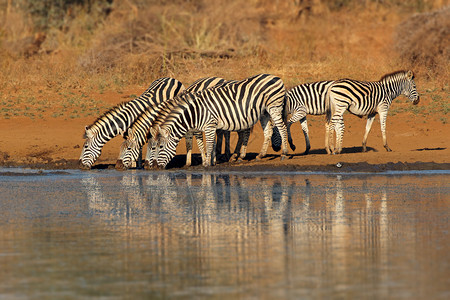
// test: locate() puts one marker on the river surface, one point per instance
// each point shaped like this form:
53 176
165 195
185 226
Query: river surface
137 234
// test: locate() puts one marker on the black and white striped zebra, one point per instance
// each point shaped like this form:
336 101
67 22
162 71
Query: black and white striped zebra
363 98
301 100
141 130
117 120
231 107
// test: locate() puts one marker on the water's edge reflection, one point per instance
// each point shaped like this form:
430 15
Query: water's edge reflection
209 234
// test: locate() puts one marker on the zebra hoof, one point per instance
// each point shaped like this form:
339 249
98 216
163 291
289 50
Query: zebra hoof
233 158
283 157
259 157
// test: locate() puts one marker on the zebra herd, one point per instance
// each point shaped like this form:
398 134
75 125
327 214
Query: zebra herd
167 112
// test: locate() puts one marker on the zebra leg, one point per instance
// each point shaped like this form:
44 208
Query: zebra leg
237 148
291 143
328 137
201 146
298 115
276 115
219 141
383 115
188 137
267 127
210 136
304 124
243 137
370 119
227 145
339 128
241 147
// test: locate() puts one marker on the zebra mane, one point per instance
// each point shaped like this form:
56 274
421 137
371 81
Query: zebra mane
393 74
110 112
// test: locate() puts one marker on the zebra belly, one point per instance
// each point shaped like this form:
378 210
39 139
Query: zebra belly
237 125
360 111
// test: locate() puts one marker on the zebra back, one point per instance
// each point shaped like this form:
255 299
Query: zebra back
309 97
238 104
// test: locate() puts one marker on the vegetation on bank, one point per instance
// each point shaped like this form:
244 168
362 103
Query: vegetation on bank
55 54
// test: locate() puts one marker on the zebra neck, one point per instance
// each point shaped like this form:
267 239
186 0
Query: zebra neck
393 89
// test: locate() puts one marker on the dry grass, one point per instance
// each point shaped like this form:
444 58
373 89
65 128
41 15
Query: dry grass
424 40
138 41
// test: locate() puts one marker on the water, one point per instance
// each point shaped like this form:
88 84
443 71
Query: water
107 234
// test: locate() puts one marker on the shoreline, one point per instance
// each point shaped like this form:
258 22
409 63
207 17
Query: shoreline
252 166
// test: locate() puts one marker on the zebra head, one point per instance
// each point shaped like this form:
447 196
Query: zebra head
409 88
91 149
167 146
130 149
152 156
122 151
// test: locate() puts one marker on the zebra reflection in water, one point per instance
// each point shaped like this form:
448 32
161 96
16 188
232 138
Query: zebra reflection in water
204 203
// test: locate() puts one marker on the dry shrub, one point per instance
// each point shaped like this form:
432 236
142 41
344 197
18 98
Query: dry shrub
424 41
157 36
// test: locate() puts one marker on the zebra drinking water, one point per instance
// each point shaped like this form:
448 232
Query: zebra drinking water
141 131
116 120
232 107
365 98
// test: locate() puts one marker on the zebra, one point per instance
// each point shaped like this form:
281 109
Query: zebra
240 150
116 120
232 107
141 130
363 98
301 100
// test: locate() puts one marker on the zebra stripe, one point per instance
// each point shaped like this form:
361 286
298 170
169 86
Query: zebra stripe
231 107
116 120
301 100
141 130
364 98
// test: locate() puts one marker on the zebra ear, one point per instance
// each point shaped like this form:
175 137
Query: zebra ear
163 132
410 74
153 132
87 133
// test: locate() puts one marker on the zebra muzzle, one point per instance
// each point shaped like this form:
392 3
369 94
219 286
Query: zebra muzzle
119 165
83 166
